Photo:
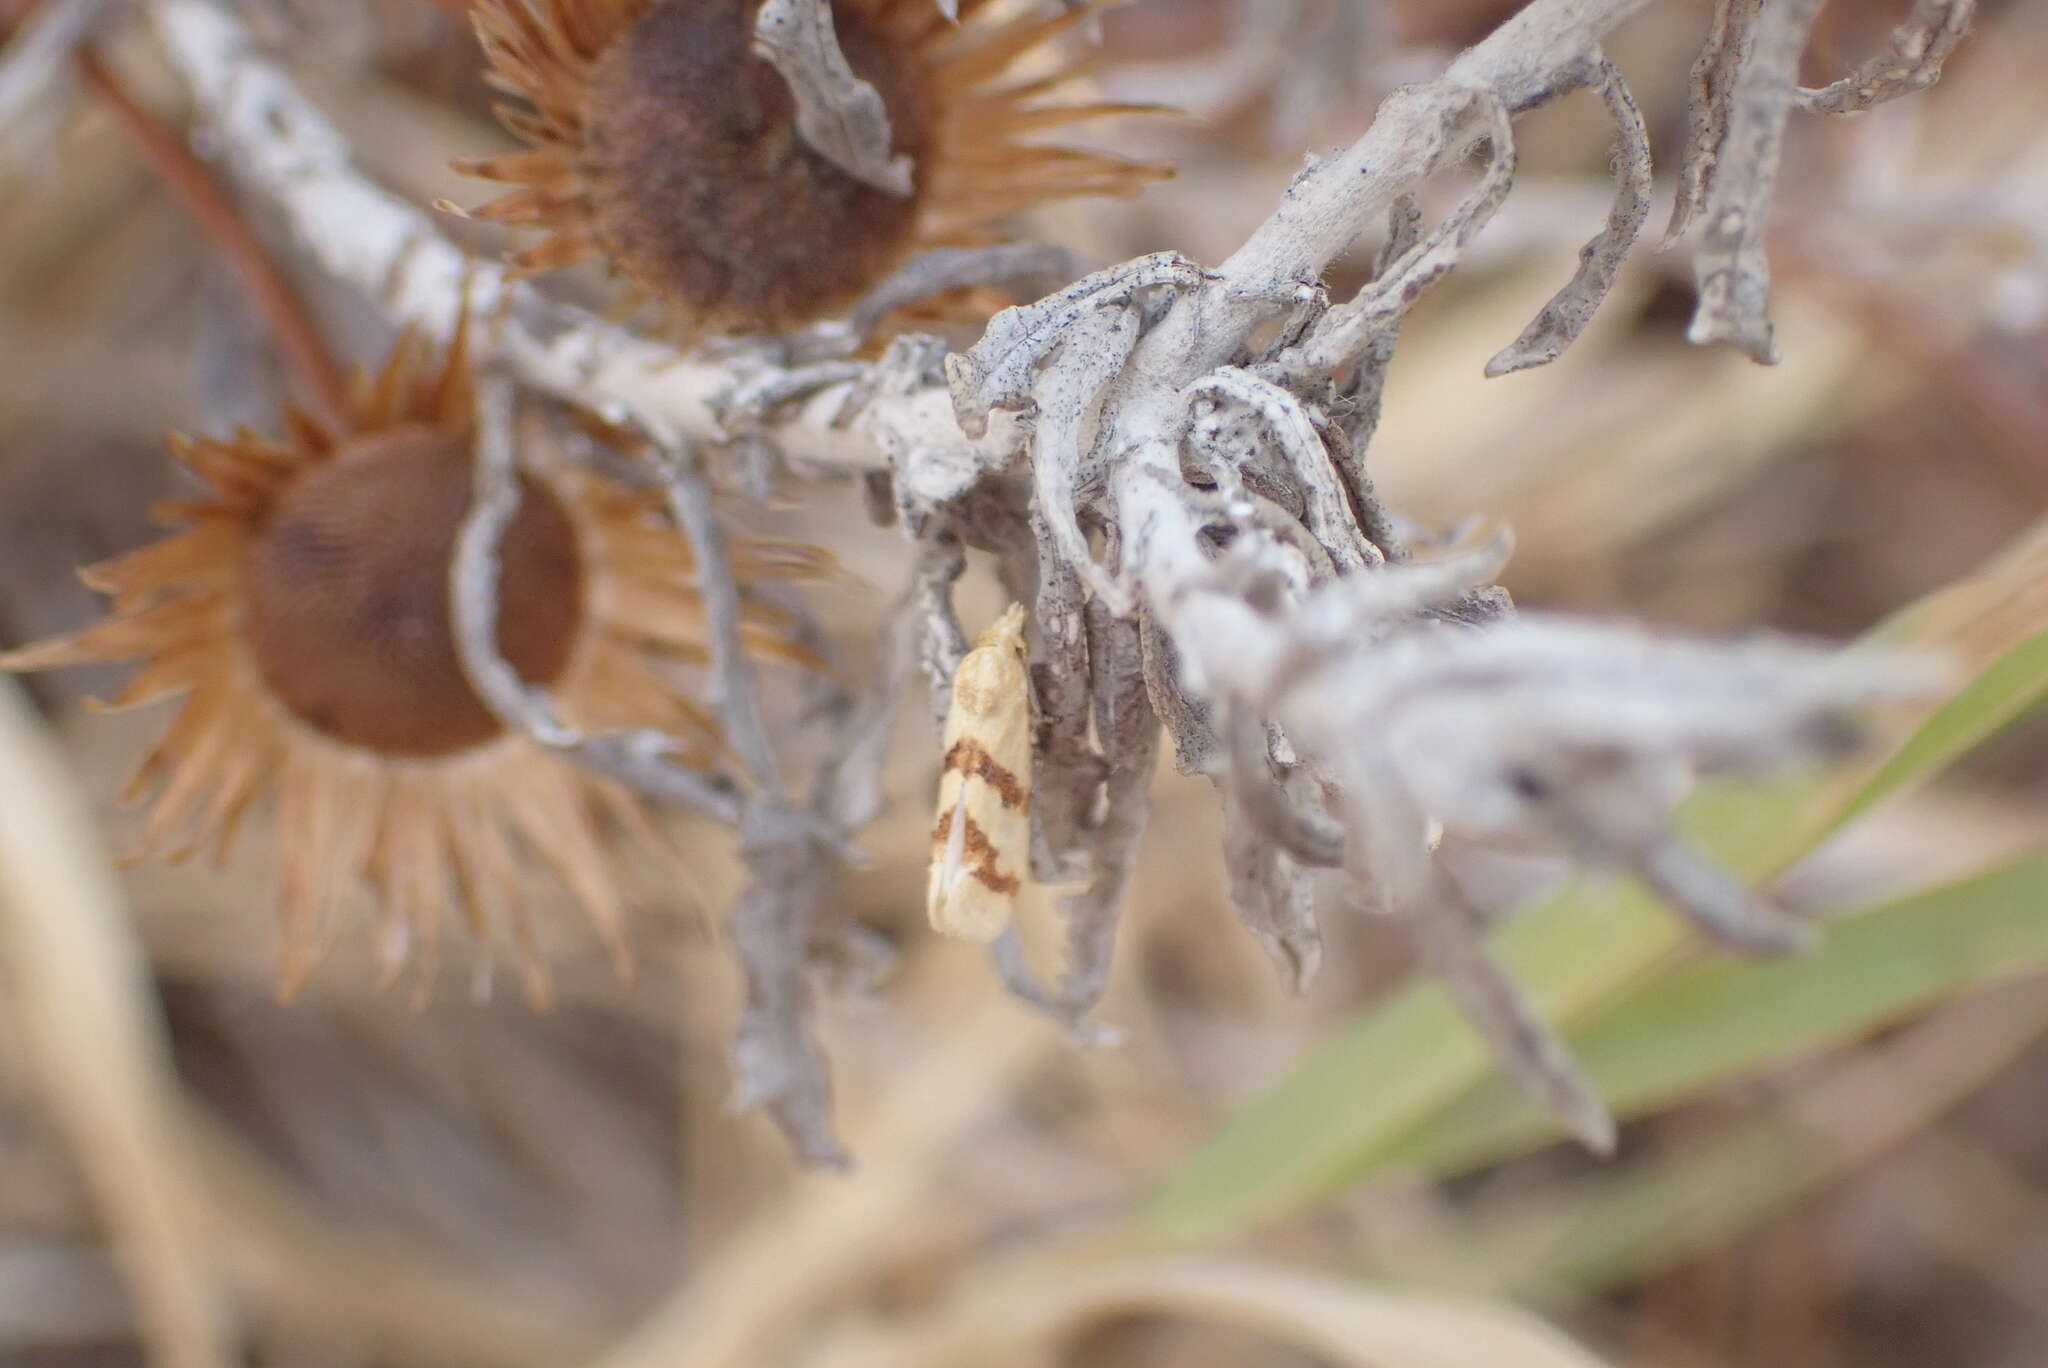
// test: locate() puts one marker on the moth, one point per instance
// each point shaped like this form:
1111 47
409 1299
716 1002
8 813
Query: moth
981 842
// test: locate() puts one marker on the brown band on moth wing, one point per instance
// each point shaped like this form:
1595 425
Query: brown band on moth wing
970 757
979 850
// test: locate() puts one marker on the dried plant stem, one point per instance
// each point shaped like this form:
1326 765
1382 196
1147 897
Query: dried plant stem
795 856
189 182
1021 264
1919 47
839 115
80 985
641 760
792 855
1733 273
1713 87
1566 315
737 692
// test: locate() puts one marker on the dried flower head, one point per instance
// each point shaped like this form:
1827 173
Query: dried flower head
303 614
663 144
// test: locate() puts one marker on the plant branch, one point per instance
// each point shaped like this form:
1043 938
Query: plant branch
1206 428
642 760
1733 273
841 116
737 692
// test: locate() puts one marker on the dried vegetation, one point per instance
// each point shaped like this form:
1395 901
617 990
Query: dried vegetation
1235 510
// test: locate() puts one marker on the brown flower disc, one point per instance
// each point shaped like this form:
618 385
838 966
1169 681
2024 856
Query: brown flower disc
348 612
703 191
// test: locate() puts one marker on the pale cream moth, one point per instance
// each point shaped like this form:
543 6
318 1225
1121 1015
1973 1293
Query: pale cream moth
981 842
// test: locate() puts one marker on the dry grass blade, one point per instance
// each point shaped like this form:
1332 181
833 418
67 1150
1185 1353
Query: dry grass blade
1343 1322
79 982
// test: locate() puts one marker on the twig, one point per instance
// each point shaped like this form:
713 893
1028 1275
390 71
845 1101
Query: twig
797 862
1919 48
1573 307
777 1063
1068 447
1272 892
474 570
755 400
841 116
737 690
1417 131
1347 334
1288 426
793 856
1269 811
1733 273
1357 404
641 760
1452 937
1714 71
1035 266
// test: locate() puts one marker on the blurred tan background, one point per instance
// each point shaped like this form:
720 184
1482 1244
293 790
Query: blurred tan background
476 1183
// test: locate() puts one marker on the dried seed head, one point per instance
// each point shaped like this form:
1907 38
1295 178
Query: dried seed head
348 615
663 144
703 191
302 619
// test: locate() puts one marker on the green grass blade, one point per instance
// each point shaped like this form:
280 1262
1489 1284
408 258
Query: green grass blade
1720 1018
1391 1069
1612 1227
2014 686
